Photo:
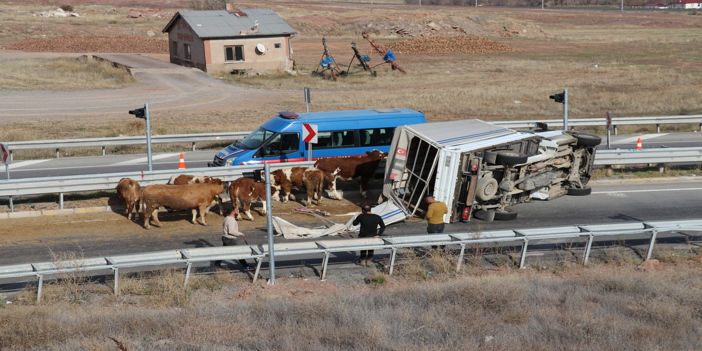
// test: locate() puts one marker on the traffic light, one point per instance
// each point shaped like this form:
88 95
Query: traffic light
259 176
559 98
138 113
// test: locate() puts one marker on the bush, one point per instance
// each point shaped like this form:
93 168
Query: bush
67 8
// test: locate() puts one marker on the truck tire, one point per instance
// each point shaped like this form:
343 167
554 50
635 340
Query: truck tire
587 139
485 215
510 158
486 188
507 215
579 191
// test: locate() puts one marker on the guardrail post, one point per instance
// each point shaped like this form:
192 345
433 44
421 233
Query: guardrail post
615 128
193 146
61 201
187 274
658 128
650 245
524 251
57 153
41 284
586 258
460 257
103 150
12 157
392 260
116 269
12 205
325 260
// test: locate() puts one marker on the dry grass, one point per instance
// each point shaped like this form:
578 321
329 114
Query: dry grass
62 74
602 307
648 66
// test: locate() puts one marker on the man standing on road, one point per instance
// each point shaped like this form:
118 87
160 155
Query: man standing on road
369 227
435 215
231 235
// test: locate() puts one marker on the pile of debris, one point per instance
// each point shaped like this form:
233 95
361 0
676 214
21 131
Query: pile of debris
96 44
469 44
59 12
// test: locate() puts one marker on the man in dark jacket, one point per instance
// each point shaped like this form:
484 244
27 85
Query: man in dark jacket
369 228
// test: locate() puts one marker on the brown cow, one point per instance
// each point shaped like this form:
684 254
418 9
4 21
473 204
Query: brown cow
180 197
244 190
348 168
183 179
130 192
309 178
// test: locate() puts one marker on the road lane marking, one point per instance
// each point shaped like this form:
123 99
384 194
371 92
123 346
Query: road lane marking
145 159
642 191
15 165
643 137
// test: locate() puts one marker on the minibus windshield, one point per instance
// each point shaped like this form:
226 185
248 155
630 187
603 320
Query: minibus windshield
256 139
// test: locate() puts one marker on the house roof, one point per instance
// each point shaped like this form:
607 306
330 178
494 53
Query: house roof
227 24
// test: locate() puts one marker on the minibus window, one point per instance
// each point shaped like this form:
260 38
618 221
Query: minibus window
282 144
256 139
334 139
377 136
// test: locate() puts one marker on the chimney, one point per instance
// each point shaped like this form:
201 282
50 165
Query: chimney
230 7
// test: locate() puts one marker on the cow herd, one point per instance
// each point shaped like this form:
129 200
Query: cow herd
186 192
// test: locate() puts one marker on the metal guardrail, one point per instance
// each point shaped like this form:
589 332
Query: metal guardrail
123 141
616 121
108 181
326 248
648 156
215 137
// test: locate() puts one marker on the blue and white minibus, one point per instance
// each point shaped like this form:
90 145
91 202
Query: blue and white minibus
339 134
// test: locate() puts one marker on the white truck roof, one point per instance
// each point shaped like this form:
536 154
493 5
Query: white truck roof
466 134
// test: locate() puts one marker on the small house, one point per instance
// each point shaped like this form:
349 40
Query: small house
233 41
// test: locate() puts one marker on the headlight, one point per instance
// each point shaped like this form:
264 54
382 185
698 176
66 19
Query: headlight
229 161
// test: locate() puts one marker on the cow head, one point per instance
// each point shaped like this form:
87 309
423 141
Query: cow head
376 154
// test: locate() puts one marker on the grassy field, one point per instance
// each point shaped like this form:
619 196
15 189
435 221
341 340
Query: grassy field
630 63
609 305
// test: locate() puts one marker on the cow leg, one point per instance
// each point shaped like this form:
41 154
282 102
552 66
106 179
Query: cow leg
263 210
364 186
203 213
221 205
154 214
147 217
194 220
333 191
247 208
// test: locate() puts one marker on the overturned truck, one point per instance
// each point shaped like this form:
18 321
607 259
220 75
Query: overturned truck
481 170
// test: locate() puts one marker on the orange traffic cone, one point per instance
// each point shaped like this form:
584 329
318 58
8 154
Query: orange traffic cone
638 144
181 164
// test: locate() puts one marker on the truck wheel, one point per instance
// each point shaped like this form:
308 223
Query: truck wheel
486 188
579 191
485 215
507 215
510 158
587 139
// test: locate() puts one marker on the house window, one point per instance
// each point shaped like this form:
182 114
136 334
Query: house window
276 45
187 51
174 48
234 53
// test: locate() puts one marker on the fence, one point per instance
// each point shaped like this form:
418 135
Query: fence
326 248
225 137
108 181
122 141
